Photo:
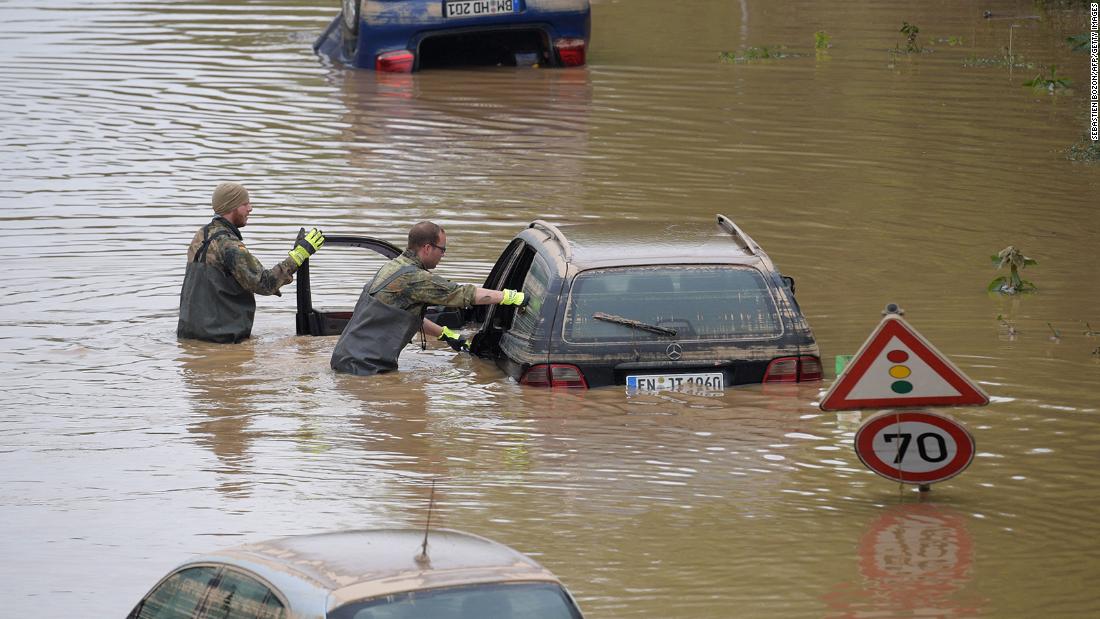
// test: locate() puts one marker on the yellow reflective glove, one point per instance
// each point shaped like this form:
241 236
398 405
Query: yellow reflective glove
307 246
454 339
513 297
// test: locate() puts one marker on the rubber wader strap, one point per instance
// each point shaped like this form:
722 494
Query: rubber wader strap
200 256
403 270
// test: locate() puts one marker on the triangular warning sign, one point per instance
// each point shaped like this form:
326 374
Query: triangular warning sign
897 368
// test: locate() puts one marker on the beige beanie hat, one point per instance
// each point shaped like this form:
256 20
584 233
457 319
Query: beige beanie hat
229 196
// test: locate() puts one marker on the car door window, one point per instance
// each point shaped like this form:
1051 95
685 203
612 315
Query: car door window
238 596
525 323
496 276
178 597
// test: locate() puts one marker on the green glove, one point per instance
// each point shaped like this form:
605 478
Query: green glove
513 297
307 246
454 339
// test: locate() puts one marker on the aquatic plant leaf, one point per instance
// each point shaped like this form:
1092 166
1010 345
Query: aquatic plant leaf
1079 42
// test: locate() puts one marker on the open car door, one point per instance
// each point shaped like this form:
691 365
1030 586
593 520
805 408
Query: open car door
313 321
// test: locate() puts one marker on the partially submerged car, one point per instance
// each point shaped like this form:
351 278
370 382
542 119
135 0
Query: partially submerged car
649 307
364 574
407 35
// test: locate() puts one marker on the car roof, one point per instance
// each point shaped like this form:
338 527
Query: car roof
597 243
360 564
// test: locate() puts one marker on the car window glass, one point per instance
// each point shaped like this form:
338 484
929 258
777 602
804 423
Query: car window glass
527 600
496 275
534 287
699 303
178 597
238 596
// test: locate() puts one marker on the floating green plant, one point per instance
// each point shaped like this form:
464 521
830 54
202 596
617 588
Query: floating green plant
1015 260
757 53
910 31
1015 61
1079 42
1084 150
1051 83
821 40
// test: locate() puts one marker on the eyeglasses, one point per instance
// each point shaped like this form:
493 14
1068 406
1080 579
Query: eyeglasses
442 250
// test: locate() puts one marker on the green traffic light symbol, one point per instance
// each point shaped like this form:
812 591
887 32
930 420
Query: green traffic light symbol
899 371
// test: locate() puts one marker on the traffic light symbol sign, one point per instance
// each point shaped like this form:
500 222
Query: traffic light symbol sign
895 368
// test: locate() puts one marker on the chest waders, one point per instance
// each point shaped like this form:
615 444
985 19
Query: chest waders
376 333
213 306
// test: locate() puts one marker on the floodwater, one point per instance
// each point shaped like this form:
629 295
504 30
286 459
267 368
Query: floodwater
869 177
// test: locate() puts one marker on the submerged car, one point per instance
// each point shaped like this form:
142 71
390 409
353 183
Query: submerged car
650 307
365 574
401 36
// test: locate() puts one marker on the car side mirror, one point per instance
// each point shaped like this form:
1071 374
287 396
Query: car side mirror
789 281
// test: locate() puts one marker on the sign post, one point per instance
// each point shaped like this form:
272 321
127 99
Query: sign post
897 368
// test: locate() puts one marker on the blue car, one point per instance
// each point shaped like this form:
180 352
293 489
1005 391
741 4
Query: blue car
402 36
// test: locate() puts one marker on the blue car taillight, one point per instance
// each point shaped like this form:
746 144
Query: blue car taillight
554 375
400 61
793 369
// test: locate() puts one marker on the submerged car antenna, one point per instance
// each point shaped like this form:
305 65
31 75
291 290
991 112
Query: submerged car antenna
422 559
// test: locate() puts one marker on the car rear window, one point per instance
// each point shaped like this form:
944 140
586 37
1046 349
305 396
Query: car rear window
697 302
526 600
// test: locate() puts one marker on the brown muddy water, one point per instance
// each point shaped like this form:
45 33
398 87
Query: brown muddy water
868 178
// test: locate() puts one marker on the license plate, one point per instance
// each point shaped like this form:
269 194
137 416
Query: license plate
711 381
477 8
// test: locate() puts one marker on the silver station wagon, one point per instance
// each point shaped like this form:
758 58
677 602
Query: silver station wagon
365 574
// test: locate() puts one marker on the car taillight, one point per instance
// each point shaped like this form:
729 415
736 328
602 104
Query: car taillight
570 51
554 375
782 370
400 61
809 368
793 369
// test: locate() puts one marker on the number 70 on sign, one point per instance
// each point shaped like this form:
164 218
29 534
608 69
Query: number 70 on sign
914 447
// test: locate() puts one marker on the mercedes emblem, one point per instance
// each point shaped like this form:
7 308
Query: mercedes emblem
674 351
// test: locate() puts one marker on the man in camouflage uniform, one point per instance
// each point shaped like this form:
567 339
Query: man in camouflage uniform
391 308
218 302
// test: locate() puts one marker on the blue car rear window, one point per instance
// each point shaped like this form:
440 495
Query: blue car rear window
697 302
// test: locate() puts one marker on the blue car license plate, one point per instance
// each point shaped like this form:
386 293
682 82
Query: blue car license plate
710 381
477 8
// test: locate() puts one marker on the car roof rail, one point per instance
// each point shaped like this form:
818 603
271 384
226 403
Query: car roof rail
742 239
558 236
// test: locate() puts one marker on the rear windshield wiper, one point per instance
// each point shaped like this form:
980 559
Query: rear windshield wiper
636 324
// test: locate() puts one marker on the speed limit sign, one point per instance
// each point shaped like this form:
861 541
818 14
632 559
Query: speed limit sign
914 447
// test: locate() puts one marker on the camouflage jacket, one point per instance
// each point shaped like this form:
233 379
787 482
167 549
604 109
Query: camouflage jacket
229 254
414 291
